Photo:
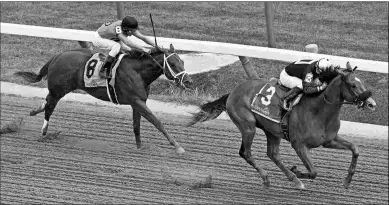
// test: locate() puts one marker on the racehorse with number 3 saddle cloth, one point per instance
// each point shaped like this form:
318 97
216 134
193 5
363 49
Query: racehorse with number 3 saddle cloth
78 69
313 122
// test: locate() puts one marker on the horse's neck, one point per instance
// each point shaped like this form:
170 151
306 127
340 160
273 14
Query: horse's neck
150 70
327 104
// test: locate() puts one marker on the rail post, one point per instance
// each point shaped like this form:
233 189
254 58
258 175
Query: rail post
250 72
120 15
269 24
120 10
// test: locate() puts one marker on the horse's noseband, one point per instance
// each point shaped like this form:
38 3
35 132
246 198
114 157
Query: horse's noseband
172 73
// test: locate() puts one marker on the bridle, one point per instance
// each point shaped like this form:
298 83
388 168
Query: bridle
357 99
176 76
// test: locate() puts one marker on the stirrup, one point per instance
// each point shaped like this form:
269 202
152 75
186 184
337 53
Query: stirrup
285 105
102 73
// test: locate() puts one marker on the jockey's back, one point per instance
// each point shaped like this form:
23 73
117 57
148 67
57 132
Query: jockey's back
301 68
110 30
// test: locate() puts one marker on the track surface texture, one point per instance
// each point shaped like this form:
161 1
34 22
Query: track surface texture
95 160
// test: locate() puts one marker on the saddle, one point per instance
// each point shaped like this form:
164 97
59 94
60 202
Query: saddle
92 78
267 103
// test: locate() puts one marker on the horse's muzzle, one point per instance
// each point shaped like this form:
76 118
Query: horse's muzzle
370 103
187 82
364 96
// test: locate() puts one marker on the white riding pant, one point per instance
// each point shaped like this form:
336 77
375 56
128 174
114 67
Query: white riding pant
290 81
111 45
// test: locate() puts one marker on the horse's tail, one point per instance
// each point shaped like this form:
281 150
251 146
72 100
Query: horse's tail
32 77
209 111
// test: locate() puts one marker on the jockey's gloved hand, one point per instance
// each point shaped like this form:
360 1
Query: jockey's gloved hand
146 51
323 86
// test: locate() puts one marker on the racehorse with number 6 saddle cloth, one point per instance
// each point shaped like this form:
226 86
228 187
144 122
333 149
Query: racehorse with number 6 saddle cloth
78 69
313 122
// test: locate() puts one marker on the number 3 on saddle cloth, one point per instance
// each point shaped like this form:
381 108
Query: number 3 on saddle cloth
267 103
92 78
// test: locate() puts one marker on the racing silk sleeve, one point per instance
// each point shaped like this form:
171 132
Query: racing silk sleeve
311 88
110 30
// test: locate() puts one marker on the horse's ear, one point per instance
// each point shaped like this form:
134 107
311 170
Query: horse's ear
341 72
355 68
171 48
348 66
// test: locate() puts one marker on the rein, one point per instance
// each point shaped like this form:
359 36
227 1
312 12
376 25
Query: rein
335 103
172 73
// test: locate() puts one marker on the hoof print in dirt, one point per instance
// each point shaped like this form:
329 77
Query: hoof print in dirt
14 126
191 180
50 137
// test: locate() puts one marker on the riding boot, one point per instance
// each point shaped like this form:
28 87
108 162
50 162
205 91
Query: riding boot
290 95
105 71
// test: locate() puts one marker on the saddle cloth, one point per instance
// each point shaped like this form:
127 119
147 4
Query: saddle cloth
92 69
267 102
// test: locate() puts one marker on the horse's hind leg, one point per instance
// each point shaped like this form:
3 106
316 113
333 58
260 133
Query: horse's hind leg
39 109
273 152
51 102
340 143
247 129
136 117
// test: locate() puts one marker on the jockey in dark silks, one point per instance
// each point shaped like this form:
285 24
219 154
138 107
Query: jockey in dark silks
306 76
113 36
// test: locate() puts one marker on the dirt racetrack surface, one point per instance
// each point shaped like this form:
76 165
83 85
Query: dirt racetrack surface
94 159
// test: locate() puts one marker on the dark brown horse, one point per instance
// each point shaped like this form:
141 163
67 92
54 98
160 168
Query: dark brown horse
313 122
133 78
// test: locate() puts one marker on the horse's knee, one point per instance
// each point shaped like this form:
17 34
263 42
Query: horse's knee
271 155
245 155
355 151
241 153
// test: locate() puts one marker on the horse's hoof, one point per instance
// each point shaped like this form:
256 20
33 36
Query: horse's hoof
266 184
300 186
346 184
180 150
43 138
294 169
33 113
298 183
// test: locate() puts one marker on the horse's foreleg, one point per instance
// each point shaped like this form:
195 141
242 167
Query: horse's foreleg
340 143
136 117
273 152
142 108
303 152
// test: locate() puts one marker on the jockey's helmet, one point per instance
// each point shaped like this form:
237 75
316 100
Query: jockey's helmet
129 22
324 65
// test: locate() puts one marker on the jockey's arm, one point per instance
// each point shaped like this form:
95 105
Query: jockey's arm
313 87
144 38
129 43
